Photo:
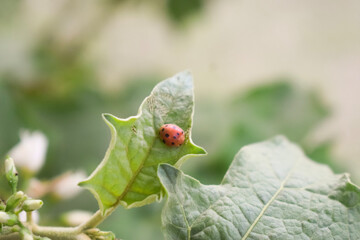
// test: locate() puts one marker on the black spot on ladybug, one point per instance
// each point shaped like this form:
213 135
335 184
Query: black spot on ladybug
163 129
174 137
172 143
166 135
166 125
163 141
182 132
178 134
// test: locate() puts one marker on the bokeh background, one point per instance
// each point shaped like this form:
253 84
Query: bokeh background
261 68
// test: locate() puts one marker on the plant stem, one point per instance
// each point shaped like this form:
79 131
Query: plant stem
95 220
68 233
55 233
29 218
60 233
13 188
63 233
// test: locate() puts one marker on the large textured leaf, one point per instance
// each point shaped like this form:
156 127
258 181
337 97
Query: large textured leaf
128 173
271 191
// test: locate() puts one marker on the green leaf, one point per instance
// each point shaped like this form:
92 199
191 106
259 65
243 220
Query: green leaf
128 173
271 191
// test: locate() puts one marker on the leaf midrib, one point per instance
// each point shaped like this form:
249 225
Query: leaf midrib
136 173
270 201
132 180
264 208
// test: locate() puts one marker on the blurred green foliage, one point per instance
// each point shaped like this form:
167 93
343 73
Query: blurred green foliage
261 113
78 136
179 10
7 8
65 101
255 115
71 119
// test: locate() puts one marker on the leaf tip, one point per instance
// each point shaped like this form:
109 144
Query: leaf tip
200 150
185 72
185 76
82 183
109 118
188 73
278 139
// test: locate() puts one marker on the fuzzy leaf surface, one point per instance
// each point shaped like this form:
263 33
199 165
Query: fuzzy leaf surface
271 191
128 173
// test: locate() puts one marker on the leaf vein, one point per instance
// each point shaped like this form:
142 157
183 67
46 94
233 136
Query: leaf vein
271 200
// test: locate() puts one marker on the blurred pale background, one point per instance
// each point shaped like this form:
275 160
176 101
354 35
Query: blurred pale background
63 62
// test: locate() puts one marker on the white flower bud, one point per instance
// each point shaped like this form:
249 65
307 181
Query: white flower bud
11 174
8 219
10 166
32 204
4 217
66 186
29 153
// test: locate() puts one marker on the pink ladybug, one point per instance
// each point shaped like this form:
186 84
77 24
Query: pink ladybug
172 135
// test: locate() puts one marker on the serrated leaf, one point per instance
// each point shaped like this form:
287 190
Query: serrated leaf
128 173
271 191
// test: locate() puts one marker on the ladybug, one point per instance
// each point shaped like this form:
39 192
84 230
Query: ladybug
172 135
